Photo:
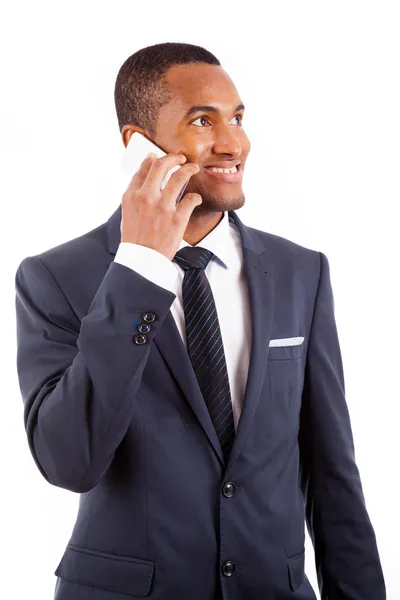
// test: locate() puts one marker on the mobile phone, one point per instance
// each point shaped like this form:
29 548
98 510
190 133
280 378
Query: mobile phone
136 151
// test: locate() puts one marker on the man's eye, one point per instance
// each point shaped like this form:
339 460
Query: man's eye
204 118
198 119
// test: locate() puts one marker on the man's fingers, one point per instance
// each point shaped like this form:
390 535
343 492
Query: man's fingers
158 171
187 205
140 176
177 181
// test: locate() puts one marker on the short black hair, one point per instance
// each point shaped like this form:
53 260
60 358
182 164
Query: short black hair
141 88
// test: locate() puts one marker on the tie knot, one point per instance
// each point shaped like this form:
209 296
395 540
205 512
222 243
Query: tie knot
193 257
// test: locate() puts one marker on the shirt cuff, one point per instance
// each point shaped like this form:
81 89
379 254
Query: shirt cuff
149 263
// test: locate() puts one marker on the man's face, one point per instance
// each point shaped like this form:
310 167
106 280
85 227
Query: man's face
206 137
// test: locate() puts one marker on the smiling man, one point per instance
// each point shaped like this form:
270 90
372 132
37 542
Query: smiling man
200 115
182 372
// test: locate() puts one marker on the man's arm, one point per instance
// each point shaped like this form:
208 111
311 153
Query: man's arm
346 554
78 379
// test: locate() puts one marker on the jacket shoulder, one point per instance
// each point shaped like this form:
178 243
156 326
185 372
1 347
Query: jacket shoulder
90 246
283 249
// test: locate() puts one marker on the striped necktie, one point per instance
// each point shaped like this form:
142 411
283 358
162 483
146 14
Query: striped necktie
204 342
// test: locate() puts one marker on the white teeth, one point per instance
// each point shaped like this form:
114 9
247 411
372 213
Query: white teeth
216 170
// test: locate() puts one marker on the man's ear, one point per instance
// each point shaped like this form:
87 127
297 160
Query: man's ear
128 130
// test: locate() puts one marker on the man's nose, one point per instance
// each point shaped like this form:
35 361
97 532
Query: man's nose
227 142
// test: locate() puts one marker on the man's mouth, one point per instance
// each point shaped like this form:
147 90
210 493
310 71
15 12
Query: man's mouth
228 175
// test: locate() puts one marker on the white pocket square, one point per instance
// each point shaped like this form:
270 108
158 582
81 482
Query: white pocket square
293 341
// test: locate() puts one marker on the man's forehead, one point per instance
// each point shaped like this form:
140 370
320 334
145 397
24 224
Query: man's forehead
199 84
190 73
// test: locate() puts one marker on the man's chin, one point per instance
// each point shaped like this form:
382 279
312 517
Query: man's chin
220 204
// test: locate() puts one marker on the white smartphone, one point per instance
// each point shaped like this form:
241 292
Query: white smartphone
136 151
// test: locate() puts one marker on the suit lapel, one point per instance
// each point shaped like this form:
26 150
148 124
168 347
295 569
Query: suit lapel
259 272
260 281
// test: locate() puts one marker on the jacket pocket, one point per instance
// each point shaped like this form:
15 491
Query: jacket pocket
285 352
112 572
295 565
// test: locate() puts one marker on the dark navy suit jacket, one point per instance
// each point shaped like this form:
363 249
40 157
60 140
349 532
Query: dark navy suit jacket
125 425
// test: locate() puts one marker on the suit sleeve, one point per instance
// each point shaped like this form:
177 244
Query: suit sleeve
78 379
346 554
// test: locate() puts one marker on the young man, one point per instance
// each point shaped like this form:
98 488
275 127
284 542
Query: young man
182 372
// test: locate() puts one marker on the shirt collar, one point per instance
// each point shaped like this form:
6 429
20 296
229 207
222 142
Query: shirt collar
219 241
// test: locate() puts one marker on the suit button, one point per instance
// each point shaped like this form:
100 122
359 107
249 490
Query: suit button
227 568
144 328
149 317
140 339
228 490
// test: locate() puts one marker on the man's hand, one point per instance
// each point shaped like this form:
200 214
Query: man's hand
150 216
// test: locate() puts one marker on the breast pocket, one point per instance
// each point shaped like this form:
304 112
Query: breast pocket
284 382
286 352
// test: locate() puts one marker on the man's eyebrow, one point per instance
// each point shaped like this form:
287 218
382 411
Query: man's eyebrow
205 108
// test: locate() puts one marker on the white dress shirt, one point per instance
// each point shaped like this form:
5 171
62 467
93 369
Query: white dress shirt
225 273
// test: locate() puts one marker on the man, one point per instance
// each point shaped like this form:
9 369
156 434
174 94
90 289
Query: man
182 372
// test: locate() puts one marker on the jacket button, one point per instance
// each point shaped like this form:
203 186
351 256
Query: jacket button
149 317
228 490
144 328
140 339
227 568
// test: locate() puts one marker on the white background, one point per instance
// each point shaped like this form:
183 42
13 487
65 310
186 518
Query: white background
320 82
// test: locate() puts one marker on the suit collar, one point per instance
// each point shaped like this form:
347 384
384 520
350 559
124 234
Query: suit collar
220 241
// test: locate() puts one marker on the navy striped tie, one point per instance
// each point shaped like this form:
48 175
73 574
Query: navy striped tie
204 342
